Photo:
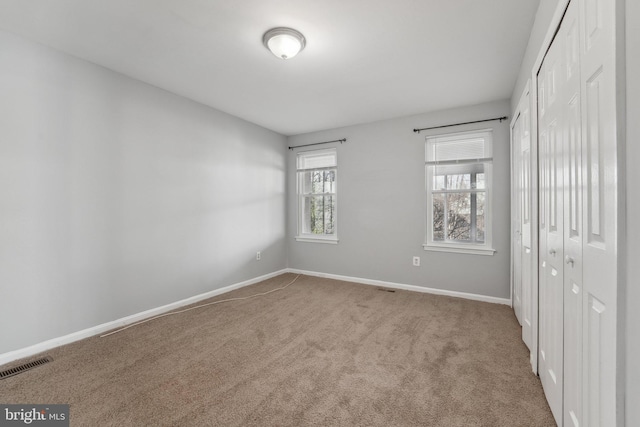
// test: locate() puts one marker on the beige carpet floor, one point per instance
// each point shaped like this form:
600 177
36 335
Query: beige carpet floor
321 352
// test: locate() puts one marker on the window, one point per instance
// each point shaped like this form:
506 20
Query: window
458 169
317 179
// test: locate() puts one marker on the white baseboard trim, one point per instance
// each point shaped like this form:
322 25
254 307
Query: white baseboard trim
413 288
95 330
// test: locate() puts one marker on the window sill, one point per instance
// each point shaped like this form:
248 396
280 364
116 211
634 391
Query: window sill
472 250
307 239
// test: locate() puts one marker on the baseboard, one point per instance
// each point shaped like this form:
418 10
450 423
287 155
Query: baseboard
89 332
413 288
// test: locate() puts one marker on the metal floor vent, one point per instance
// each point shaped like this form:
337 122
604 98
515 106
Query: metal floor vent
25 367
386 290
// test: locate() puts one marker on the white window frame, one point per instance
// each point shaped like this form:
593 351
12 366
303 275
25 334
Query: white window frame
311 237
430 244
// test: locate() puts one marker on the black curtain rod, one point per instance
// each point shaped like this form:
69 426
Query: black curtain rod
460 124
318 143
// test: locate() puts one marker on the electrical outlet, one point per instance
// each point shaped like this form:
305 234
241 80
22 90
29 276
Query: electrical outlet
416 261
258 256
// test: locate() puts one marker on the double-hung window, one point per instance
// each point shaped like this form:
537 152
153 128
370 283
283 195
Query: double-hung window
458 171
317 195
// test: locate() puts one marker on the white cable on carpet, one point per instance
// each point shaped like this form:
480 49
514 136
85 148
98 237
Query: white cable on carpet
198 306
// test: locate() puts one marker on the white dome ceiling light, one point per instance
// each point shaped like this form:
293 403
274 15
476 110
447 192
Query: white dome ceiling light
285 43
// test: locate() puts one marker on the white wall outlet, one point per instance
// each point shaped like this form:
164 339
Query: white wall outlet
258 256
416 261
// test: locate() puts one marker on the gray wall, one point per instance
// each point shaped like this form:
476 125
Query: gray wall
633 213
381 207
117 197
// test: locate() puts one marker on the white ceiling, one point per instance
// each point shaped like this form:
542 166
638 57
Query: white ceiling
365 60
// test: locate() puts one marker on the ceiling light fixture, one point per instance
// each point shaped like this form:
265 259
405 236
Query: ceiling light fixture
285 43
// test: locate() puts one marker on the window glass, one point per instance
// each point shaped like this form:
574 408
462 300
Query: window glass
458 171
317 194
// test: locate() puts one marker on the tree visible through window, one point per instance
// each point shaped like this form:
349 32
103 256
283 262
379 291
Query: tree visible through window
459 207
458 168
319 201
317 195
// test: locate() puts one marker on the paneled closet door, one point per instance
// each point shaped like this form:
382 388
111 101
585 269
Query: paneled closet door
522 219
577 130
516 218
551 120
600 219
524 199
569 35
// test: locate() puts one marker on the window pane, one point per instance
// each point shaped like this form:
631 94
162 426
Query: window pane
329 214
438 217
307 179
458 177
459 168
316 186
459 182
319 215
480 217
318 181
458 216
329 180
306 215
452 182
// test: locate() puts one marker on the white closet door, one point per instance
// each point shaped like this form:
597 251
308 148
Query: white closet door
600 174
579 217
526 250
569 35
516 217
522 262
551 119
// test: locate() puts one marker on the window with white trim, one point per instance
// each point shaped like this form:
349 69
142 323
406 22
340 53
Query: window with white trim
458 171
317 195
